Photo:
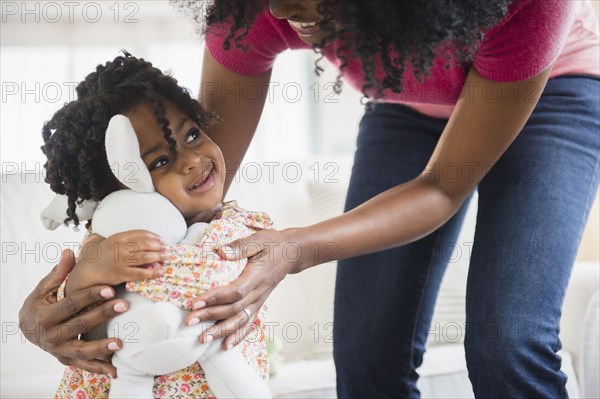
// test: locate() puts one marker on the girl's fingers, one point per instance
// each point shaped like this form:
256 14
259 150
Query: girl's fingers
146 245
133 253
141 238
142 273
143 258
134 241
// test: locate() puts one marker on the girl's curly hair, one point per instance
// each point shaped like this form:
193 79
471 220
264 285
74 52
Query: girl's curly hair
77 165
391 32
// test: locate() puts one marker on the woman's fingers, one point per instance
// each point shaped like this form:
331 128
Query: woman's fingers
50 283
222 312
231 326
241 249
76 302
33 318
58 336
86 355
266 267
92 238
240 335
228 294
96 366
91 318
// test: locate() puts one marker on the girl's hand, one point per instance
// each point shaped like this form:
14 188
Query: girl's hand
53 326
116 259
237 303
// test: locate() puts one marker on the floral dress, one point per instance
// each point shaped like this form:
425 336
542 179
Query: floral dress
194 269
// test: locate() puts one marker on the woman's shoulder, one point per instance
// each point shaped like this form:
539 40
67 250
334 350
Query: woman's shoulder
256 51
526 41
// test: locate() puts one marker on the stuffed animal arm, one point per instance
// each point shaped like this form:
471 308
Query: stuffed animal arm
156 341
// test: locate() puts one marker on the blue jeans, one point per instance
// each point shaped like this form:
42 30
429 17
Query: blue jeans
533 206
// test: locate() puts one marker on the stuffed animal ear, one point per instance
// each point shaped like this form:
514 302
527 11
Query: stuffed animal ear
123 154
56 212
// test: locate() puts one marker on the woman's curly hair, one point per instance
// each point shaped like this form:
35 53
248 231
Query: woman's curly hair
390 31
77 165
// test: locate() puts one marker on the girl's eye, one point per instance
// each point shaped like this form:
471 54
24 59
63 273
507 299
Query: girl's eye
162 161
192 135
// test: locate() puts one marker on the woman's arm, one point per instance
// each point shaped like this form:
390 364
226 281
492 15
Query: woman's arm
222 92
54 326
477 134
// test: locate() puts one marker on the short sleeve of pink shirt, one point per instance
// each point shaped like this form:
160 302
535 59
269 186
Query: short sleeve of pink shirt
527 41
534 35
263 43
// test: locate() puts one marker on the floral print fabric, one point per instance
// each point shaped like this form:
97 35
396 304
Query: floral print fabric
194 269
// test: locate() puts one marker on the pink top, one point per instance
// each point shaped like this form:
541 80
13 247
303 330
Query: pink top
533 35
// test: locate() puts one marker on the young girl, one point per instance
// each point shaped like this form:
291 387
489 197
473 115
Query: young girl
185 166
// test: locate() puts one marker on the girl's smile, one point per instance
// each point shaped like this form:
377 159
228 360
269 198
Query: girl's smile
193 178
205 182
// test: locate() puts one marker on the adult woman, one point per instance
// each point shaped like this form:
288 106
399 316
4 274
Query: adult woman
470 123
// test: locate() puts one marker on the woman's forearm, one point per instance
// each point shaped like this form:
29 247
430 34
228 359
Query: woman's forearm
222 91
398 216
476 135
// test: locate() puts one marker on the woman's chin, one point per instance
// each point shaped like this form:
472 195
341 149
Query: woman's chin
315 40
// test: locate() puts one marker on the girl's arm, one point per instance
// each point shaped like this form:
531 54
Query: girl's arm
475 137
116 259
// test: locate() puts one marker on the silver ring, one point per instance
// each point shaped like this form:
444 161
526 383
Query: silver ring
248 313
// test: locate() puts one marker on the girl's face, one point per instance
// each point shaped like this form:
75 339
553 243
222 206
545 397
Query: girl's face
303 16
193 180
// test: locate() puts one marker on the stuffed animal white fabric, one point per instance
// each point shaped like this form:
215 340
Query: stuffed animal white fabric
156 341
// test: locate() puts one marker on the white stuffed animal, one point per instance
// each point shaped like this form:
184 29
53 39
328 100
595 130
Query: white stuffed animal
156 341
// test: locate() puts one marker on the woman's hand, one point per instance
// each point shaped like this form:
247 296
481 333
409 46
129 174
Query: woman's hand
117 259
237 303
53 326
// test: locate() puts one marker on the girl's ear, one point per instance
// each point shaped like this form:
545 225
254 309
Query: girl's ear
123 154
